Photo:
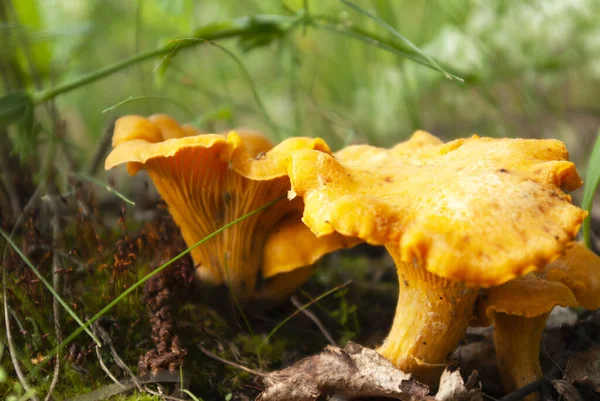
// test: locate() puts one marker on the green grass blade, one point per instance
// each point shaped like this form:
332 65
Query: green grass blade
103 185
191 395
592 180
50 288
131 289
182 106
374 40
399 36
235 300
287 319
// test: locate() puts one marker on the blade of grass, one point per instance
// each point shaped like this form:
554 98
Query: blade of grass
103 185
397 34
136 285
592 180
189 112
235 300
239 307
299 310
248 77
191 395
372 39
49 287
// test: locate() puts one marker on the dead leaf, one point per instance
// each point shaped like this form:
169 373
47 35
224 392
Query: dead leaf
349 373
567 390
584 368
453 388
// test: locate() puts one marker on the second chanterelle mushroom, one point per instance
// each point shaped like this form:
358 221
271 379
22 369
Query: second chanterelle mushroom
520 308
208 180
470 213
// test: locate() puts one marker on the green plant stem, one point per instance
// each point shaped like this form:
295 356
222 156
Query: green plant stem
102 185
408 43
236 28
136 285
245 27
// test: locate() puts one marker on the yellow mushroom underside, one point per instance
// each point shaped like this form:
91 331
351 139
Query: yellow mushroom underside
477 211
210 180
204 194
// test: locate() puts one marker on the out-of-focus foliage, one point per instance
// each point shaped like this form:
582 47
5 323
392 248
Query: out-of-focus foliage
532 68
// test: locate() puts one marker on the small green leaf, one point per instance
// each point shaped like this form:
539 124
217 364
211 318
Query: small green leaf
592 180
228 397
247 43
13 106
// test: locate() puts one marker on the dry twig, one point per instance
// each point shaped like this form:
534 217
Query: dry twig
56 234
315 319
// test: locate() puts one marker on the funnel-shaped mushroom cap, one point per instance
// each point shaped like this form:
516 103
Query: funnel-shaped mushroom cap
477 210
528 296
578 269
210 180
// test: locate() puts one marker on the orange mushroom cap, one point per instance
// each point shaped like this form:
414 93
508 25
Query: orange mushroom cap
479 210
209 180
578 269
528 296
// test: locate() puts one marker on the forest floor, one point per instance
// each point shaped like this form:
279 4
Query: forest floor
94 248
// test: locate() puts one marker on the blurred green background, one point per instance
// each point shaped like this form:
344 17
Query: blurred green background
531 68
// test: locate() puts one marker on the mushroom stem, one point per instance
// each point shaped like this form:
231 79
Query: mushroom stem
432 316
517 341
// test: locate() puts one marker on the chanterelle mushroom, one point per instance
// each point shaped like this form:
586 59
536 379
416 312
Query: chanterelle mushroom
520 308
470 213
208 180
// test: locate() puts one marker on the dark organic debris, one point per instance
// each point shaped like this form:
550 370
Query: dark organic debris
567 390
350 373
168 352
584 368
479 356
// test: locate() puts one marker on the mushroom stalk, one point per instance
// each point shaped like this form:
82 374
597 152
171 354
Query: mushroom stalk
432 316
517 340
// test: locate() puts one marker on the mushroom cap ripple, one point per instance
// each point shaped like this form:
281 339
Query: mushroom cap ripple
479 210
